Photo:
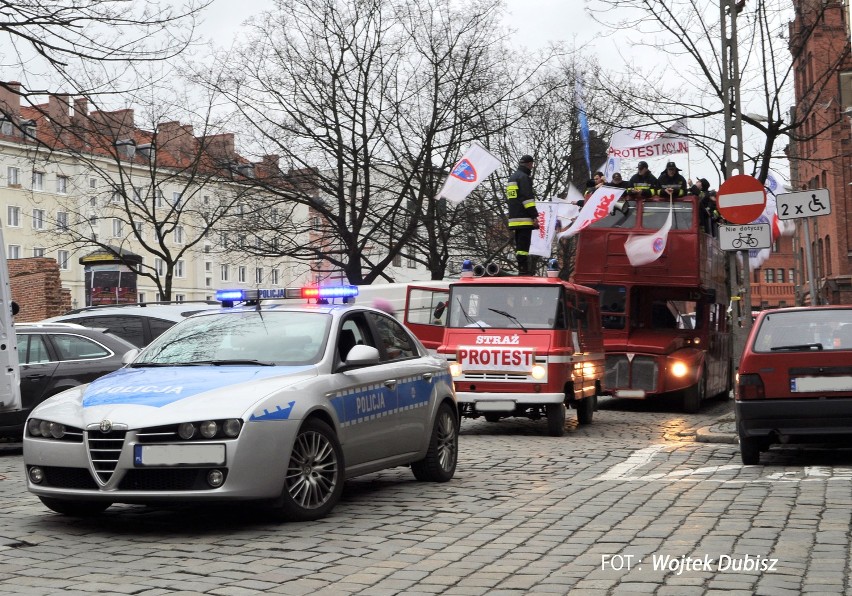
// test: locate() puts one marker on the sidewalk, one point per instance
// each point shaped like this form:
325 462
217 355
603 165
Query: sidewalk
723 430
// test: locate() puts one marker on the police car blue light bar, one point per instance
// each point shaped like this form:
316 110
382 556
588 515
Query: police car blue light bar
308 292
235 295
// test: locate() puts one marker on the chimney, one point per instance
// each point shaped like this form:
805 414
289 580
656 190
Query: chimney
59 110
176 138
10 99
81 107
221 146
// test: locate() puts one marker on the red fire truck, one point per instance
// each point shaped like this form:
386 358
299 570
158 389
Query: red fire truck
666 329
518 346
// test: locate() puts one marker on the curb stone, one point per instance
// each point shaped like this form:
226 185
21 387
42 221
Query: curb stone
723 430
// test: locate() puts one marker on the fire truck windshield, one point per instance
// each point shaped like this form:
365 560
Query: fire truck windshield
654 215
509 307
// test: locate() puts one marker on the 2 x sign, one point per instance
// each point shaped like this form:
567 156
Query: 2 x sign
808 203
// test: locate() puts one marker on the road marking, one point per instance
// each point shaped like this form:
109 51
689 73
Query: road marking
629 471
634 462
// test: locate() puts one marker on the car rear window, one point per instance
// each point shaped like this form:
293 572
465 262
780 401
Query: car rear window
805 330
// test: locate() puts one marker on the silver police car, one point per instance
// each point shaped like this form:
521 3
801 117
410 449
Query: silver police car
270 402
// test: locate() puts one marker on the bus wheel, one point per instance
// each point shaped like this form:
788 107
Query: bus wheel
585 409
693 396
555 420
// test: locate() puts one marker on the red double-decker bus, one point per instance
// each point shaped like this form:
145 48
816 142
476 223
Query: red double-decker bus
666 329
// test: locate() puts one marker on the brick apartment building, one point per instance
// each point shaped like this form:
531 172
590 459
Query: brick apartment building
820 44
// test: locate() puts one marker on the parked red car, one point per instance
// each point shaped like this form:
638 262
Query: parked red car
795 378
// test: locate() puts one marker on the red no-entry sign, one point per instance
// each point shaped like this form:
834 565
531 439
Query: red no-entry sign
741 199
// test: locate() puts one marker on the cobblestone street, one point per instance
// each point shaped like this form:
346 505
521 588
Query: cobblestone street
630 504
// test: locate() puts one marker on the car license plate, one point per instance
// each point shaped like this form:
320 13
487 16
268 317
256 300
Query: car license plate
179 455
811 384
495 406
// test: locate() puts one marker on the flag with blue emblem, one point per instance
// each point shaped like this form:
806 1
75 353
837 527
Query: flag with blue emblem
474 167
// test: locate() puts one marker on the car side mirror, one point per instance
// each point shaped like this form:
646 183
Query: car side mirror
361 355
130 355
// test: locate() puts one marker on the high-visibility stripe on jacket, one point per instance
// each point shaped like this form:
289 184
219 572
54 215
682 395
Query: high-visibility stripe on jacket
521 198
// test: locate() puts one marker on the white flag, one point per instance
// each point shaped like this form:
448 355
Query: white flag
596 207
642 249
542 238
474 167
567 209
613 165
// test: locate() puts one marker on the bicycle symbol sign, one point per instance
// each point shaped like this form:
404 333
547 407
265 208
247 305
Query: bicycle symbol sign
745 237
807 203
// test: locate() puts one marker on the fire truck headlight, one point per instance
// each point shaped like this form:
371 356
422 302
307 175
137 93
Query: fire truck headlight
455 369
679 369
538 371
696 340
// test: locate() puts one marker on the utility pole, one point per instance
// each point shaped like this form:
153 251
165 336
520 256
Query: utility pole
733 160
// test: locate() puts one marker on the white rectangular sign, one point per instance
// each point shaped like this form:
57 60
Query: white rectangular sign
745 237
807 203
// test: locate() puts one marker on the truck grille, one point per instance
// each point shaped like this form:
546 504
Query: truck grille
104 451
470 376
622 374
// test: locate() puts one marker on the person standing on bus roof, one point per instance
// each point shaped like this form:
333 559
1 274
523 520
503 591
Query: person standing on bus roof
618 182
643 181
595 183
672 183
523 216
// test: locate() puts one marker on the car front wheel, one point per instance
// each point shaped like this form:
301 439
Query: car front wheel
439 465
75 508
314 478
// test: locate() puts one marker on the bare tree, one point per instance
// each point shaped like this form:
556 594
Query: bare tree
376 100
686 35
163 190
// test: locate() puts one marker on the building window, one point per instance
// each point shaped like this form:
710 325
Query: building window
274 278
62 185
38 219
258 275
241 274
62 259
13 217
176 199
180 269
38 251
208 281
38 180
117 228
224 271
180 297
13 176
159 266
411 263
116 197
137 226
6 127
93 201
159 194
769 275
137 194
158 297
14 251
141 298
223 240
178 234
791 276
93 182
780 276
397 261
61 220
208 266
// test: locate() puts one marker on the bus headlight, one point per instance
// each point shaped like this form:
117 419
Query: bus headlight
538 371
679 369
455 369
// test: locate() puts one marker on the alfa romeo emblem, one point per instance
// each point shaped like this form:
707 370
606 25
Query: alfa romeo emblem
105 426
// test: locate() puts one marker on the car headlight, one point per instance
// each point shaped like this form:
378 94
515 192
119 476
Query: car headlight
455 369
538 371
34 427
45 429
231 427
186 430
208 429
57 431
679 369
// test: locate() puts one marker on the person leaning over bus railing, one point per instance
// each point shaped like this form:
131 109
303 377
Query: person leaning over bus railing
671 181
595 183
644 182
618 182
708 215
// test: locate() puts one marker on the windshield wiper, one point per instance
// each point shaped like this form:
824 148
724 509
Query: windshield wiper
468 317
156 364
818 346
509 316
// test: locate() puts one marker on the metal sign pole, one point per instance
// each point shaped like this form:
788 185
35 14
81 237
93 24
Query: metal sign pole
810 259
